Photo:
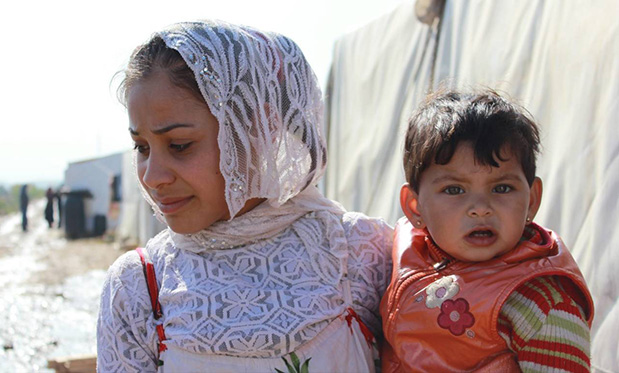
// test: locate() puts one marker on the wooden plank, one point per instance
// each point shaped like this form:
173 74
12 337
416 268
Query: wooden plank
74 364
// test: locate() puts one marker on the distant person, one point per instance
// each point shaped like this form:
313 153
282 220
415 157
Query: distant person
58 196
49 207
23 206
477 285
257 271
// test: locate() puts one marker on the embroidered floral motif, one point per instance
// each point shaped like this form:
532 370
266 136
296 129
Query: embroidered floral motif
441 290
455 316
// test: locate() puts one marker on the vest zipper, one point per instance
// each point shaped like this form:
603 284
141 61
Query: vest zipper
412 277
441 265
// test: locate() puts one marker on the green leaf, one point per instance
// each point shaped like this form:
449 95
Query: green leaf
288 366
305 367
295 362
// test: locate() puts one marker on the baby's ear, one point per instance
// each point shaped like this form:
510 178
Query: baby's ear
535 197
409 203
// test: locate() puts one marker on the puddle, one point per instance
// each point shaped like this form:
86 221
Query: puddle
41 321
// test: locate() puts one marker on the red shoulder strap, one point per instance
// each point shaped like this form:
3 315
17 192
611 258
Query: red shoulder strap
151 282
153 292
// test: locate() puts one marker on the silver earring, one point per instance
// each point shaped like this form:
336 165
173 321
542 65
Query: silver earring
528 220
418 223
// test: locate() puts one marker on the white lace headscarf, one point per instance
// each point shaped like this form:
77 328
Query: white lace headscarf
267 101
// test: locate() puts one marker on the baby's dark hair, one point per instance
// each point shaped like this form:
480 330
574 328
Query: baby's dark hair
154 56
483 118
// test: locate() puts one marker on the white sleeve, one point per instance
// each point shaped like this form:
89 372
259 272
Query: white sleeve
369 265
126 339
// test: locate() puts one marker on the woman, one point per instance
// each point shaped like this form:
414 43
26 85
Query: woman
257 271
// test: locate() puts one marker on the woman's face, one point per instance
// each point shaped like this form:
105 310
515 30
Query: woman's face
175 136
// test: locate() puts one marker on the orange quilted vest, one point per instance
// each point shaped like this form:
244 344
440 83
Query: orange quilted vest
440 314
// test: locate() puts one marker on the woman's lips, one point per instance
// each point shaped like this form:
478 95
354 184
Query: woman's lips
170 206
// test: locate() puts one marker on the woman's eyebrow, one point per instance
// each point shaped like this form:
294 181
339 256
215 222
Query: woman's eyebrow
162 130
169 128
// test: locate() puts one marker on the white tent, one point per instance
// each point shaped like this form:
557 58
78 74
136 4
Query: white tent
559 58
137 222
95 176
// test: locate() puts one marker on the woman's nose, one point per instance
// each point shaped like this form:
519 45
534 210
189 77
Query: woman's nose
156 171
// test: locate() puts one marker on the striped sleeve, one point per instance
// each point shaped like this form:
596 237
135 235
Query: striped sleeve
546 328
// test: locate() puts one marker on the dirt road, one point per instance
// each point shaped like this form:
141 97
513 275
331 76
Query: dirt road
49 292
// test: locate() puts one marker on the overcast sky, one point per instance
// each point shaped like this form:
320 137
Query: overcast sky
58 103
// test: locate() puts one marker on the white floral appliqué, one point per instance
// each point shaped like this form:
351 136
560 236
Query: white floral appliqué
441 290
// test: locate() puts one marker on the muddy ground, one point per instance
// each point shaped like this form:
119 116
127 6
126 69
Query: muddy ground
73 258
49 292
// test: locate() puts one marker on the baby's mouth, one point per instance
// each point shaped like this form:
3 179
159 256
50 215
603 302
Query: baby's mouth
482 236
485 233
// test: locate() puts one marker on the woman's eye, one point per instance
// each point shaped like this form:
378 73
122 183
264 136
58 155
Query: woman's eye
142 149
453 190
180 147
502 189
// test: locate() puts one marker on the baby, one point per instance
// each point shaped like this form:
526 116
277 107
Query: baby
476 284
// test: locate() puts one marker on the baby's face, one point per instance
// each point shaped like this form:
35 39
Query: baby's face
476 212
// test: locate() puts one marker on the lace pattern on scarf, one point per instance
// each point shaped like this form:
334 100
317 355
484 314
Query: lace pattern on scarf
266 98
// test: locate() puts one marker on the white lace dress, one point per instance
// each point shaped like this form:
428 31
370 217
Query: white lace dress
268 306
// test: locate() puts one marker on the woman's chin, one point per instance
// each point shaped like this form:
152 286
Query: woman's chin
181 227
183 231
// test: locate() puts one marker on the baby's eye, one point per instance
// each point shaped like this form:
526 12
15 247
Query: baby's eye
180 147
502 189
142 149
453 190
